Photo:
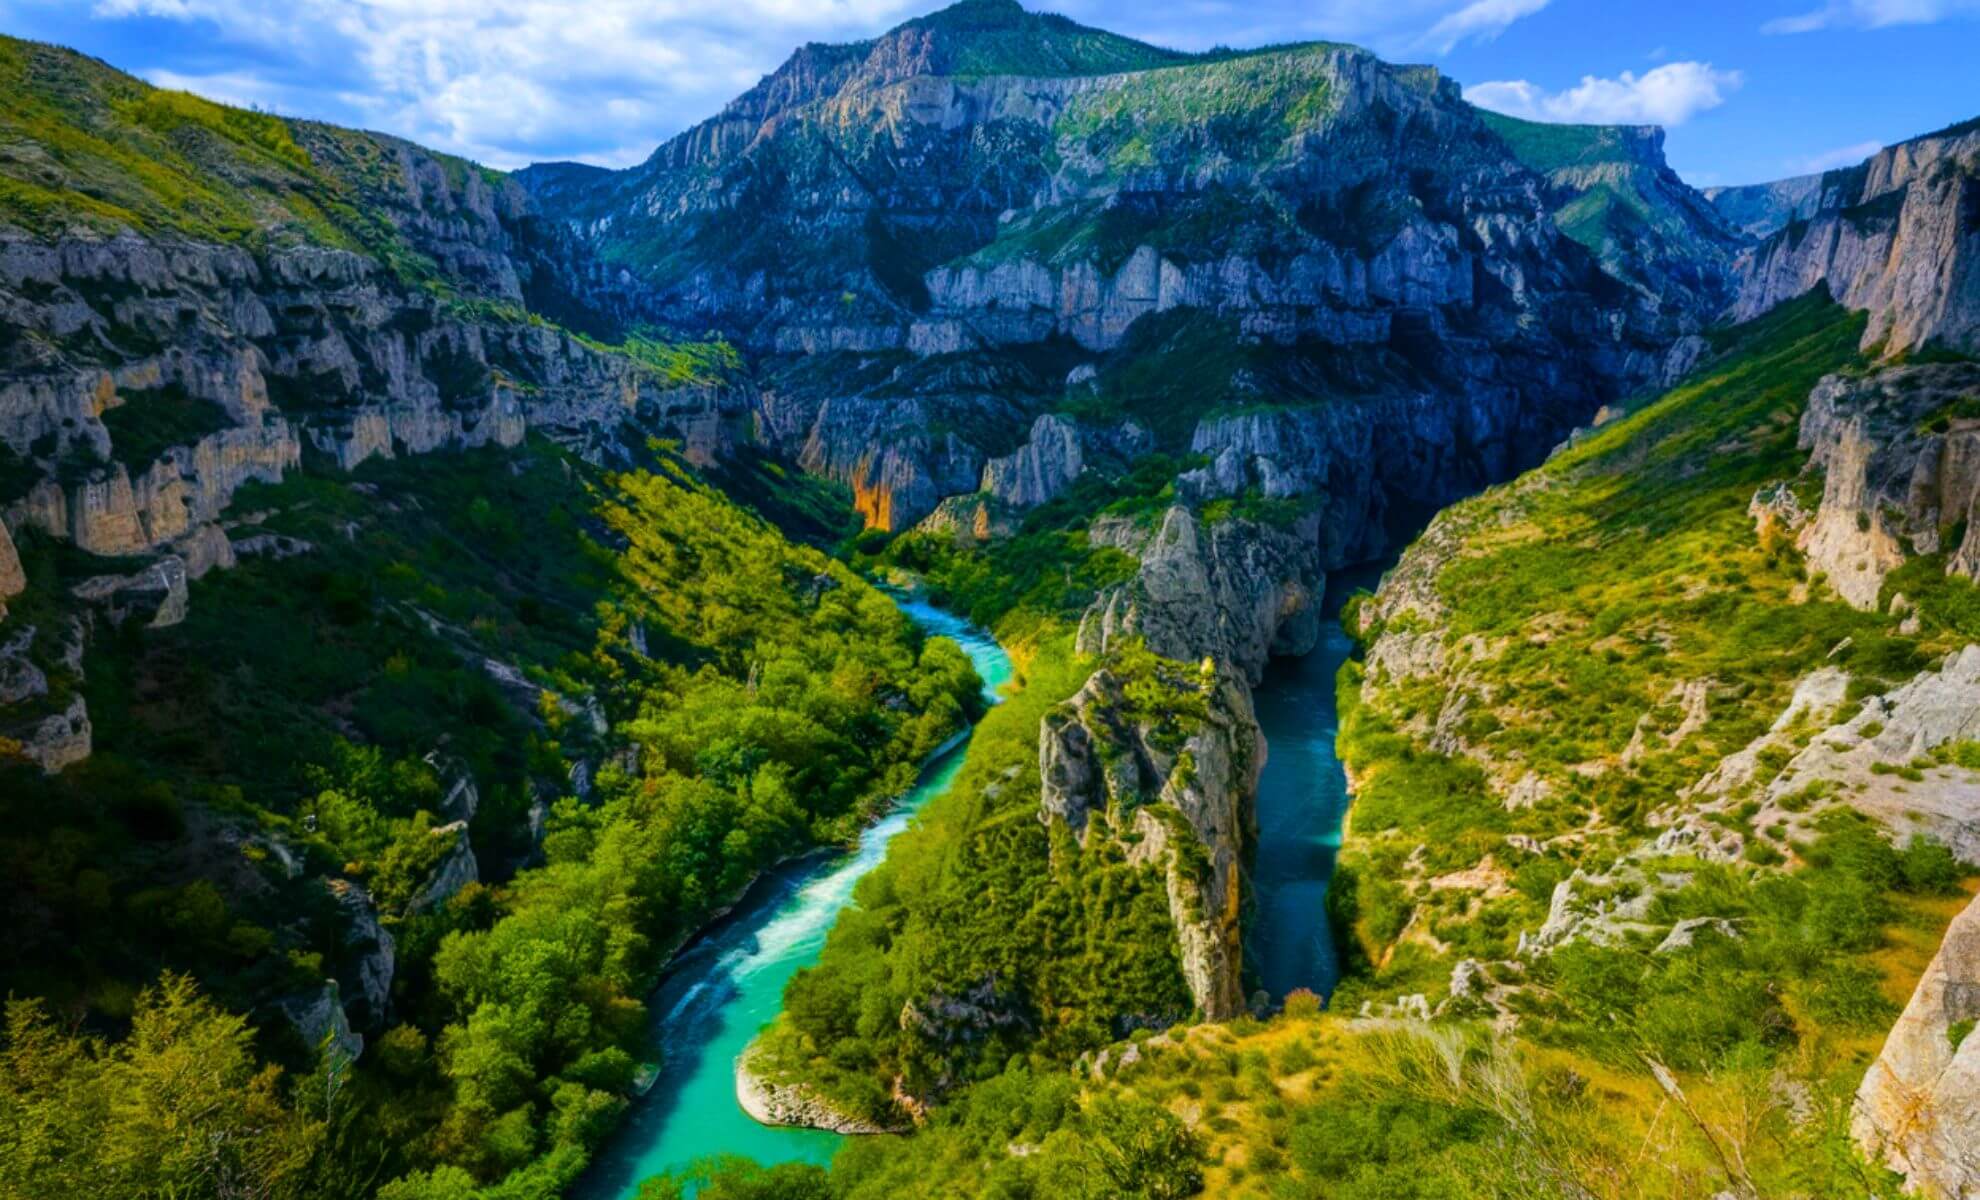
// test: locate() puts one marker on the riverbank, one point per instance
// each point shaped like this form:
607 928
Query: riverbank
728 983
794 1104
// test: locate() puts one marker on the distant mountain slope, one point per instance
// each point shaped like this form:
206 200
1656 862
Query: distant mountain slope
1761 209
1614 193
864 197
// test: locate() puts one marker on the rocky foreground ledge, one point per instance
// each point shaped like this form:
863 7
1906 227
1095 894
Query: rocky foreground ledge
796 1104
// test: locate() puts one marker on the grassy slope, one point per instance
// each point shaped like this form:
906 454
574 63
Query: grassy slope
94 149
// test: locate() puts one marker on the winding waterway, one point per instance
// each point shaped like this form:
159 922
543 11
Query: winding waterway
730 983
1302 796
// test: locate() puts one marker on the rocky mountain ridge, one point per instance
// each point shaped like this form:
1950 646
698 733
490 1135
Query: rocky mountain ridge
1895 236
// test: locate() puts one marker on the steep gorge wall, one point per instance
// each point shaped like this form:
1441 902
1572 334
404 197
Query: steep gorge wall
144 379
1898 236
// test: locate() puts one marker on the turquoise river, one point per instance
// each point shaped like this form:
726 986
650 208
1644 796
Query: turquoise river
730 983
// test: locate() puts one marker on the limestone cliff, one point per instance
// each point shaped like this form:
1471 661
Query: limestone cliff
1919 1106
1899 454
1234 590
1896 236
156 359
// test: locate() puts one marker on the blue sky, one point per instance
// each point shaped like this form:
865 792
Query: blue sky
1750 89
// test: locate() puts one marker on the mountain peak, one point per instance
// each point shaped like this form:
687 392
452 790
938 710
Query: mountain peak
976 14
1002 37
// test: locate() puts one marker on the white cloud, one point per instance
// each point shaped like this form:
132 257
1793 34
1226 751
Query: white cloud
1829 160
514 81
509 81
1668 95
1482 19
1871 14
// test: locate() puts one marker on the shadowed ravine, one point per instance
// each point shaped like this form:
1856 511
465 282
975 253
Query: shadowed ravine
730 984
1302 796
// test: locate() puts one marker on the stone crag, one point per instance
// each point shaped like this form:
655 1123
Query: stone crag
1899 454
1919 1106
1178 793
1896 236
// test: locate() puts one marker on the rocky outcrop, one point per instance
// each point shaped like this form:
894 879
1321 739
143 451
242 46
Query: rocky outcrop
1896 236
1868 760
1177 790
21 678
794 1103
970 520
319 1019
1918 1108
1041 470
458 869
13 579
1235 590
56 741
154 597
1900 454
369 952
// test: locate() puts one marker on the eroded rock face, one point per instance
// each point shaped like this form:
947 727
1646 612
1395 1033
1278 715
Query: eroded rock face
1895 236
1918 1108
1861 758
371 952
900 456
59 740
20 678
261 356
13 579
1042 469
319 1019
154 597
1237 591
1108 773
1900 469
455 871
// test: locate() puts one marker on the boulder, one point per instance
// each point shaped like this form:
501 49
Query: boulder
59 740
155 597
13 578
1918 1108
